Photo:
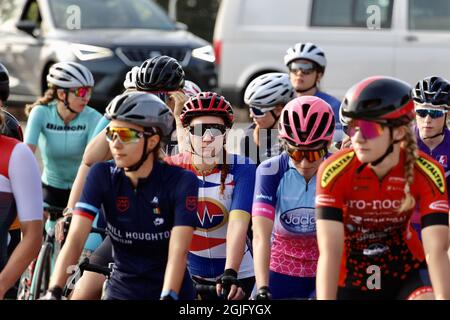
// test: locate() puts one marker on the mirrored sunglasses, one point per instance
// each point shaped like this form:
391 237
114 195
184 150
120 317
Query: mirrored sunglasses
256 112
213 129
433 113
126 135
82 92
310 155
305 68
369 129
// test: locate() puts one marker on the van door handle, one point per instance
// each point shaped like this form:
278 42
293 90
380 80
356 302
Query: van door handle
411 38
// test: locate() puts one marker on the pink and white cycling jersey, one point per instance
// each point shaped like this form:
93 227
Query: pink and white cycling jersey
282 195
207 254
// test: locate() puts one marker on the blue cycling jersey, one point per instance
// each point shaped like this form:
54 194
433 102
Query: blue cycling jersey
139 221
332 101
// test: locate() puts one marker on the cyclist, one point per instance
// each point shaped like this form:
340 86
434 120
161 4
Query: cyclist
61 124
265 96
432 101
21 195
171 77
218 252
365 199
306 63
146 204
284 231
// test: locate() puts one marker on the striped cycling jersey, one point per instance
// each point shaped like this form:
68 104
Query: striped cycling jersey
208 248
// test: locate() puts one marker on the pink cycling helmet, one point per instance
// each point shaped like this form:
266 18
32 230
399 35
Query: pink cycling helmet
307 121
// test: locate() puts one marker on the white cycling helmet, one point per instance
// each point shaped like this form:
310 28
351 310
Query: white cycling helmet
269 90
70 75
191 89
308 51
130 78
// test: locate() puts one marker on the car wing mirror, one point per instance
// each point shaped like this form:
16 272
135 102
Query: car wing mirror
181 26
27 26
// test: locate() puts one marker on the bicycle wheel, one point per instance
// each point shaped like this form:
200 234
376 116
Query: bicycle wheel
41 275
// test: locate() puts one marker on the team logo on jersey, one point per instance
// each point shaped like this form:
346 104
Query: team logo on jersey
211 214
433 173
300 221
443 160
122 203
191 203
440 205
335 167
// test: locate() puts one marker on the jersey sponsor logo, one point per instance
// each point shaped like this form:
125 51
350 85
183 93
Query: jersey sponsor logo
398 180
440 205
442 159
155 200
433 172
80 127
262 196
385 204
300 221
191 203
122 204
335 167
375 249
158 221
211 214
324 199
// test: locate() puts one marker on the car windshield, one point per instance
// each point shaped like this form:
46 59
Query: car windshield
109 14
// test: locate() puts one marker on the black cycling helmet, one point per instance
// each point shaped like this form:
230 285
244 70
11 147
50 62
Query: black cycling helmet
381 99
4 83
12 127
432 90
160 73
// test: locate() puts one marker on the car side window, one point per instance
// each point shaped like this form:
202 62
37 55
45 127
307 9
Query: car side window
32 13
10 9
351 13
429 15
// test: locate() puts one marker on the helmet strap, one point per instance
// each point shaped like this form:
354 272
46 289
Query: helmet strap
313 86
389 150
275 118
442 131
66 102
144 157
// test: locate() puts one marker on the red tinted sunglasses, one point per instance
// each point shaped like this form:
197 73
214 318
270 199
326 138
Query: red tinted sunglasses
369 129
82 92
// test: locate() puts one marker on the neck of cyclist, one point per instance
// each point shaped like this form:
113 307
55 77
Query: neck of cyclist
310 92
433 142
388 163
143 172
65 114
204 164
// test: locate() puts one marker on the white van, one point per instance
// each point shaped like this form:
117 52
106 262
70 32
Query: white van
407 39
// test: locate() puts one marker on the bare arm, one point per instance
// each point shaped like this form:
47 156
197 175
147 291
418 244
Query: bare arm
435 243
180 240
262 230
176 103
79 230
330 238
32 147
97 150
22 256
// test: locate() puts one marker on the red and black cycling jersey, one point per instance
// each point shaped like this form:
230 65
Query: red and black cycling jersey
376 234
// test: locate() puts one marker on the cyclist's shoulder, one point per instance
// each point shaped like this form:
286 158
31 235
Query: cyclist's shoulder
431 169
275 166
174 174
90 112
335 165
328 98
240 163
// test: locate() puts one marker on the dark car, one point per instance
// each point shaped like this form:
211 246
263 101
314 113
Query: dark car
107 36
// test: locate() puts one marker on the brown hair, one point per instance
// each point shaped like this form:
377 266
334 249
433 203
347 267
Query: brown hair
410 146
224 172
2 120
48 97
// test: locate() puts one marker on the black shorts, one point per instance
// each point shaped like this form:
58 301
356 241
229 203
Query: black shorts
417 282
103 255
55 197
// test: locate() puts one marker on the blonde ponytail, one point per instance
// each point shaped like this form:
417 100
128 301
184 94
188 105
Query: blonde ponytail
48 97
410 147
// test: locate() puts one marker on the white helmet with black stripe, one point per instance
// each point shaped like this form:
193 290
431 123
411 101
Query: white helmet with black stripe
269 90
308 51
130 78
70 75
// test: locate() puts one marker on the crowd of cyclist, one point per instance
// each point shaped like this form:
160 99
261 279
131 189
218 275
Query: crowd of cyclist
318 196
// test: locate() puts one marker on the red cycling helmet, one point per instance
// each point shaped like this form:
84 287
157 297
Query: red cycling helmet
307 121
207 104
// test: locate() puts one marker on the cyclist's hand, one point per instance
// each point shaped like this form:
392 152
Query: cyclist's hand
263 293
229 287
176 102
59 229
53 294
